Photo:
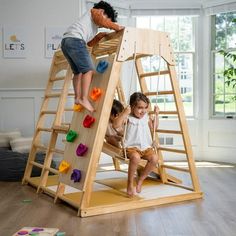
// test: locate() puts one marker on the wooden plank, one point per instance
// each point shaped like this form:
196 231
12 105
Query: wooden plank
169 131
172 150
47 112
36 164
60 129
52 95
174 168
40 147
147 42
45 129
166 112
57 78
154 73
159 93
91 211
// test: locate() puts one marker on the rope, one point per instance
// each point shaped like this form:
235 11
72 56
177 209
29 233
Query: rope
125 126
157 89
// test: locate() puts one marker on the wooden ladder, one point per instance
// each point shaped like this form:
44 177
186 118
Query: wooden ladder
56 78
179 112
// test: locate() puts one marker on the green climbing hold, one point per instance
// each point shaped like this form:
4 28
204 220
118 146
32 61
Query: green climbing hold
71 136
60 234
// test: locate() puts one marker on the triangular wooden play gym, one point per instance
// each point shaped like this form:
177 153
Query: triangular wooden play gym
99 190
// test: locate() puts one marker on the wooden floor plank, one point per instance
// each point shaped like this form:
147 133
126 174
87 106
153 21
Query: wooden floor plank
20 206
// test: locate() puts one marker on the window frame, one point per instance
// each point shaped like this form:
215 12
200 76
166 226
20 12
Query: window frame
194 53
213 52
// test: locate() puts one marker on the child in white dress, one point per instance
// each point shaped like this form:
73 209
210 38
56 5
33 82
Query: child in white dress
138 139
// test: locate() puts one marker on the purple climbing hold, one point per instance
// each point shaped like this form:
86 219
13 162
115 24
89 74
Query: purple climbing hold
37 230
76 175
22 232
81 149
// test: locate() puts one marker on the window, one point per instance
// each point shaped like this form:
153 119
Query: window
181 29
223 38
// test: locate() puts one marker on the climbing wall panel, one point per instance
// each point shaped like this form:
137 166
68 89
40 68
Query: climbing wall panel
93 135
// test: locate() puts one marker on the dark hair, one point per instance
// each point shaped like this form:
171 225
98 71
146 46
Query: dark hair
108 10
136 97
117 107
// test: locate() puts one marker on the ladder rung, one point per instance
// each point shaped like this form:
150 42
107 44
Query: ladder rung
149 74
58 62
36 164
62 129
169 131
54 171
165 112
41 147
59 53
58 151
44 129
53 95
68 109
180 186
71 94
171 150
64 123
159 93
57 78
48 112
175 168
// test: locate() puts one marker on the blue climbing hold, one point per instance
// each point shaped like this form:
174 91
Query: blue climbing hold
102 66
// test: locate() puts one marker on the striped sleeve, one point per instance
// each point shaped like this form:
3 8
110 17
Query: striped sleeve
99 20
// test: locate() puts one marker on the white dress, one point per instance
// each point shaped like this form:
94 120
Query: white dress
138 133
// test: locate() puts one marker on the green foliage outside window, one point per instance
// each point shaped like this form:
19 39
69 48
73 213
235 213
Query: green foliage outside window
230 71
224 64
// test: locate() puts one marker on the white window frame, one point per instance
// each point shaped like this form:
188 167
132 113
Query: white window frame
212 74
194 62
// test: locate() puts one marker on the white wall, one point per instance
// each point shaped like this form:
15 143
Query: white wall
22 81
32 71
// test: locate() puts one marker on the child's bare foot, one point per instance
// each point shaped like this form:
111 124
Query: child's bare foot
130 191
139 186
85 103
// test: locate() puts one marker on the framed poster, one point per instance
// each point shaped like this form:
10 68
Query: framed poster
53 37
14 42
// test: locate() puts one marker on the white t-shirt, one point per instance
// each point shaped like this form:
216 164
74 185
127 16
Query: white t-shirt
138 133
84 28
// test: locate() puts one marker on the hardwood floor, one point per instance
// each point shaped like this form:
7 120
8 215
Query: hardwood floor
214 215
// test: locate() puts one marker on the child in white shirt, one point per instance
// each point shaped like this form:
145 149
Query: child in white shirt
138 139
81 33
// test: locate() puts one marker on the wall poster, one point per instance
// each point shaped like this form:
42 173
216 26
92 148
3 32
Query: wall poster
15 42
53 37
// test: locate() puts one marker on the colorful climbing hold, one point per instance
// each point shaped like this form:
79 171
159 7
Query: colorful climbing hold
37 229
22 232
64 166
27 201
102 66
60 233
88 121
76 175
77 107
95 94
81 149
71 136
